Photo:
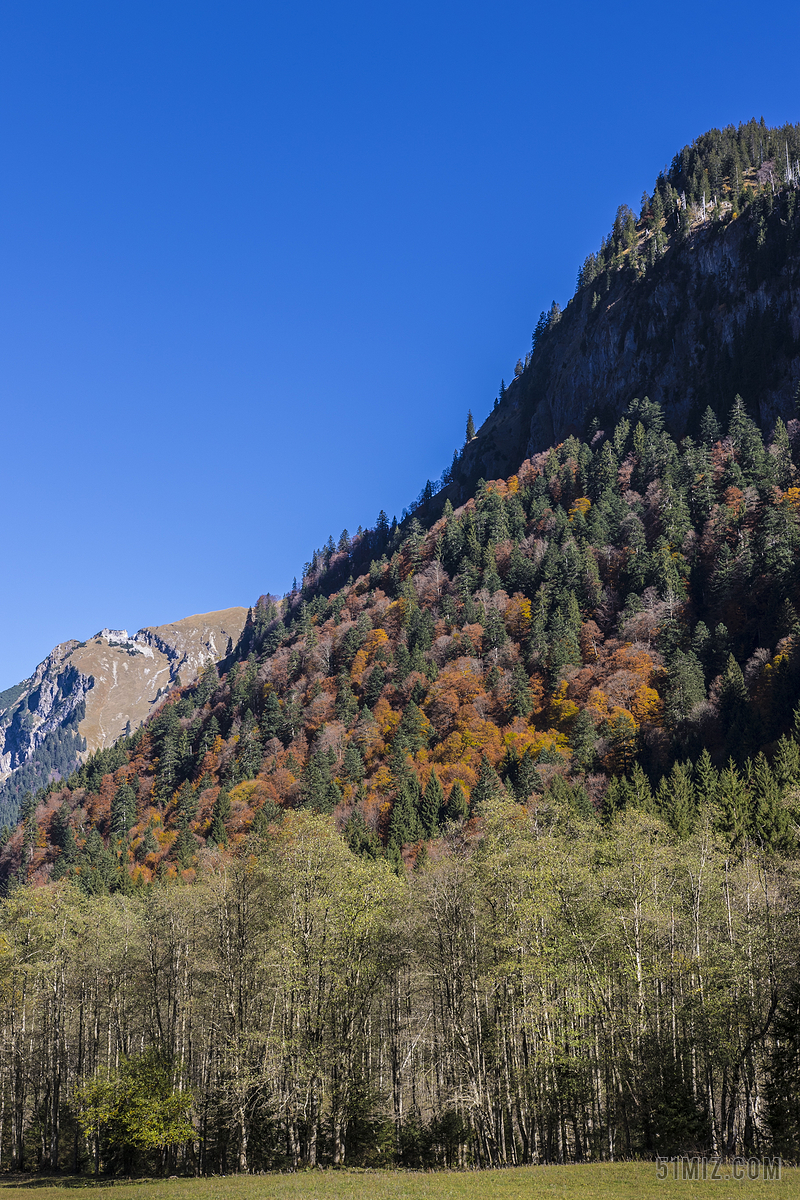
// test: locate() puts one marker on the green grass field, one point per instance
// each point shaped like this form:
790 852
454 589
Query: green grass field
606 1181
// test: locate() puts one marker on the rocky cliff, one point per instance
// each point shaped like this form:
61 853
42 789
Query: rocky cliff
717 313
86 694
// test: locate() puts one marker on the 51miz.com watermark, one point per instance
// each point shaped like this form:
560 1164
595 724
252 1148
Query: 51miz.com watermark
718 1168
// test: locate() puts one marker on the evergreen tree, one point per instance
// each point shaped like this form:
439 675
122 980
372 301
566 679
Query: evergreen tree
374 685
457 804
582 740
488 786
686 685
353 764
320 790
362 840
520 701
414 729
768 820
470 426
431 806
404 823
734 709
123 811
222 811
185 846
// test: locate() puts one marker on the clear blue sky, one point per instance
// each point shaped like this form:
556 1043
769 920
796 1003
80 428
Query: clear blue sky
257 260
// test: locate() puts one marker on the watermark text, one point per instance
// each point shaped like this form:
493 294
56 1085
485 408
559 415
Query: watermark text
688 1169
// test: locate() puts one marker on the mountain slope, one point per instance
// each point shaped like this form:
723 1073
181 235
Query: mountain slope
583 628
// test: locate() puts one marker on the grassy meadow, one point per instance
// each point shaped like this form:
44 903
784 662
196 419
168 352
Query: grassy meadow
606 1181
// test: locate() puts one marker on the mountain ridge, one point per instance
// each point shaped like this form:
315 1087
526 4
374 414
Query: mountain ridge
93 691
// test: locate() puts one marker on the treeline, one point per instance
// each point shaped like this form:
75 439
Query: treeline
722 173
545 987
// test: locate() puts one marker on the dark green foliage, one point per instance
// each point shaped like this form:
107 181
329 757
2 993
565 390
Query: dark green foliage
123 811
412 732
431 806
520 703
362 840
583 740
783 1087
374 685
270 717
222 811
99 868
319 788
353 764
346 703
685 687
734 710
404 823
457 805
185 845
488 786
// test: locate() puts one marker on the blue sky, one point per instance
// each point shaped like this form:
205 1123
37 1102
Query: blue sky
257 260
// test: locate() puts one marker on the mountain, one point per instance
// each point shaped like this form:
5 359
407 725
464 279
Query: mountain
624 598
492 826
693 301
85 695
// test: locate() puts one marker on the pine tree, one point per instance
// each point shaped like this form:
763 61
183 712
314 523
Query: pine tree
583 740
457 803
432 803
361 840
221 813
520 700
353 763
768 819
374 685
123 811
734 709
470 426
488 786
404 823
320 790
675 799
185 846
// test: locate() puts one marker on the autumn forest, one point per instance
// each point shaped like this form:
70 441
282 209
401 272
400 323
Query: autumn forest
482 847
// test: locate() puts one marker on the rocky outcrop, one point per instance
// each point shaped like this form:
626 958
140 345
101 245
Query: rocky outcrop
51 697
717 315
110 683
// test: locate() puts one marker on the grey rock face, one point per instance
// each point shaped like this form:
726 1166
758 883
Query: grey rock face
717 315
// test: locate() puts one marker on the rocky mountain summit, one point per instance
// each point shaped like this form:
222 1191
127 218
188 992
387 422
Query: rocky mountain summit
85 695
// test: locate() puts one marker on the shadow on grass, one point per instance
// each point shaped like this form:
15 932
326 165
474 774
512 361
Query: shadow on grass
71 1181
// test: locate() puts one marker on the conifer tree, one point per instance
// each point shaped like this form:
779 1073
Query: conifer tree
520 701
221 813
123 811
432 802
457 803
583 739
488 786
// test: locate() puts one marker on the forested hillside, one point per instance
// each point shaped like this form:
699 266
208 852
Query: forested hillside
492 830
